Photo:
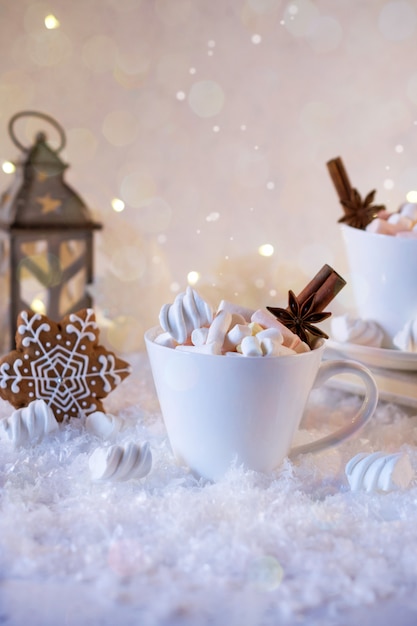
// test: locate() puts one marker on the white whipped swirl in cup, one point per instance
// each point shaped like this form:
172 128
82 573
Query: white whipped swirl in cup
346 328
188 312
406 338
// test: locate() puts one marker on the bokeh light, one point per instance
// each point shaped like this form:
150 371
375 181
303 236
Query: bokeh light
128 263
299 16
206 98
51 22
99 53
325 34
266 249
411 196
397 20
8 167
137 188
153 215
120 127
118 205
193 277
38 306
50 49
411 88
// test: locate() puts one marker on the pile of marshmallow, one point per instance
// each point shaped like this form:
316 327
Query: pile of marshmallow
403 223
191 324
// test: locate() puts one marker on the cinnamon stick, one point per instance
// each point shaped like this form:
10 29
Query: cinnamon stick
340 178
326 284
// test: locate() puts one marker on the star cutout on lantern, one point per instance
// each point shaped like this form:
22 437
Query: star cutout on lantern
60 363
48 204
41 176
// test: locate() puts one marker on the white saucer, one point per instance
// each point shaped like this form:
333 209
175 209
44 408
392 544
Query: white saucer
373 357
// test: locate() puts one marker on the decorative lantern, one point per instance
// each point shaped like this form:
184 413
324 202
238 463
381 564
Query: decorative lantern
47 235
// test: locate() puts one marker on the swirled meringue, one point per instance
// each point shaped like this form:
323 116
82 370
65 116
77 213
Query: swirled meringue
104 425
188 312
379 472
346 328
30 424
119 463
406 338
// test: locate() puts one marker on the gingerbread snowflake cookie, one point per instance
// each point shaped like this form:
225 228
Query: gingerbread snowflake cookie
60 363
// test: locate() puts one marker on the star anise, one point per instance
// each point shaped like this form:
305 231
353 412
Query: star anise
359 213
300 318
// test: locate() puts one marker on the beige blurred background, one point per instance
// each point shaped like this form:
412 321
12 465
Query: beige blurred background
209 123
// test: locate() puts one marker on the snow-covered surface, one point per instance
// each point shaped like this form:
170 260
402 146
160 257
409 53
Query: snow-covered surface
296 547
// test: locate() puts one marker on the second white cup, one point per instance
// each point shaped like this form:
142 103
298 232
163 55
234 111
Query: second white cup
383 275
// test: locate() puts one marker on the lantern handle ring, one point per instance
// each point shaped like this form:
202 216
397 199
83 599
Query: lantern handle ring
42 116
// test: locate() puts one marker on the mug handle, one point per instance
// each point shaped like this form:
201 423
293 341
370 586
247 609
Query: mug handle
326 371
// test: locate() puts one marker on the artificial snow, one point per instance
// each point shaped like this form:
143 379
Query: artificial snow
295 547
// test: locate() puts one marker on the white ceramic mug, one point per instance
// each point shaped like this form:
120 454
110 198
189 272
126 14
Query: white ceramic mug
383 276
224 409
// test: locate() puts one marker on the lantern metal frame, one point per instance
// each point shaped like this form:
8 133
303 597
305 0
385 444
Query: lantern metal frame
57 217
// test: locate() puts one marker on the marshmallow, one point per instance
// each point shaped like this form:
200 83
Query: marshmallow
266 319
165 339
199 336
250 346
381 227
409 209
207 348
235 336
401 222
264 343
235 308
219 328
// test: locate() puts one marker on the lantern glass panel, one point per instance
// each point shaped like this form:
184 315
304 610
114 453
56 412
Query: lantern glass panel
72 291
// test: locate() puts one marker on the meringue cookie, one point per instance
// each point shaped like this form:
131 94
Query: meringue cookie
346 328
30 424
379 472
104 425
119 463
406 338
188 311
